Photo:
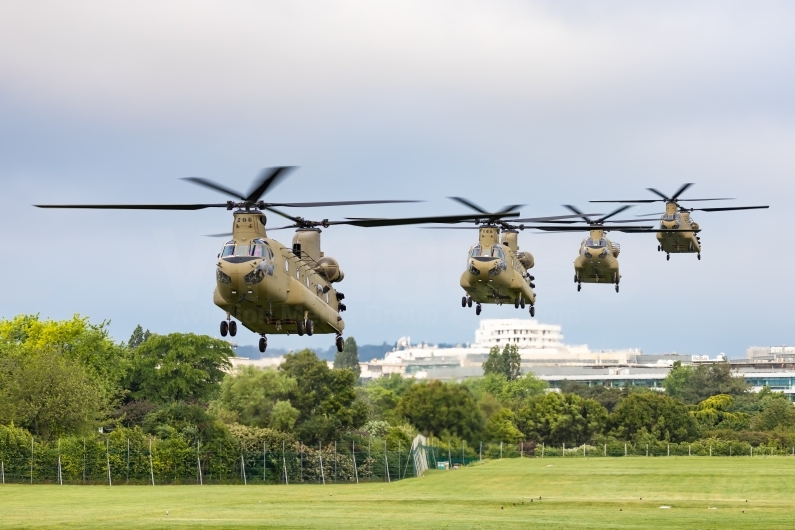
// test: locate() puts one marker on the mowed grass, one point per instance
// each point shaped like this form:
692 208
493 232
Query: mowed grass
702 492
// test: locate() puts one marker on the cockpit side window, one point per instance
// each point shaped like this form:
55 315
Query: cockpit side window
229 249
497 252
474 252
595 243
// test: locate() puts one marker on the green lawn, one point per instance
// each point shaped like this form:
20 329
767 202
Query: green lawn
702 492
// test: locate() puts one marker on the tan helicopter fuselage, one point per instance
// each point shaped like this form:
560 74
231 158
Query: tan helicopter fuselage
496 270
269 287
597 261
678 242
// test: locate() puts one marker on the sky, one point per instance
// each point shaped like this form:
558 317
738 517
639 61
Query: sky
538 103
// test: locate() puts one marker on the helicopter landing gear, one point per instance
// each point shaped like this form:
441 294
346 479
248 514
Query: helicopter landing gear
224 328
478 309
659 248
469 301
699 257
516 303
309 326
232 328
576 280
521 303
579 286
299 328
463 301
340 343
263 344
616 287
532 310
668 257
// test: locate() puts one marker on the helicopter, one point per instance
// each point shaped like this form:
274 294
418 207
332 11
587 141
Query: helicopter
597 259
678 217
269 287
496 271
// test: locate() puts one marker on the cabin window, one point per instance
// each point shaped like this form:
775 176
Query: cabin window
286 265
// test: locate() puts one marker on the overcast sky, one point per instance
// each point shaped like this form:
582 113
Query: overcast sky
542 103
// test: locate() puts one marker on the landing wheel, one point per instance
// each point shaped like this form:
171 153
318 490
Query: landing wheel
659 248
616 287
263 344
699 257
532 310
478 309
576 279
299 328
224 328
463 301
579 286
521 302
668 257
340 343
233 328
469 301
516 303
310 327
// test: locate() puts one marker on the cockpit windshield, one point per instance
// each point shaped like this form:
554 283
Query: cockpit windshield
595 243
493 252
670 217
257 249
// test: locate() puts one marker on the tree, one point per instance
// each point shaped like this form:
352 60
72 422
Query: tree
510 393
693 384
51 395
608 397
501 427
779 414
561 418
507 363
254 396
178 367
325 399
717 412
442 409
650 413
138 337
348 358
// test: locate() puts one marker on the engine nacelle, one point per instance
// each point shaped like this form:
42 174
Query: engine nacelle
526 259
331 269
616 249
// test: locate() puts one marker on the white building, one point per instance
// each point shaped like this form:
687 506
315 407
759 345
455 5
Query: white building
538 344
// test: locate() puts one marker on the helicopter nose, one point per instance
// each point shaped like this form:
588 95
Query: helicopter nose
485 267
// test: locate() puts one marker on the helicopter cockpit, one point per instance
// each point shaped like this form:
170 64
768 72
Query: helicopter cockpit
670 220
256 249
595 246
486 254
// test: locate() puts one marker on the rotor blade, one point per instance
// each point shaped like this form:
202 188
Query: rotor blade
661 194
286 216
214 186
332 203
227 234
586 228
450 227
134 206
727 209
550 219
418 220
639 201
511 207
469 204
614 212
713 199
681 190
283 227
578 212
267 178
650 214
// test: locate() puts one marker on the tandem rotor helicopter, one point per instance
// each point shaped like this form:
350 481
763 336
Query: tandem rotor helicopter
268 287
677 232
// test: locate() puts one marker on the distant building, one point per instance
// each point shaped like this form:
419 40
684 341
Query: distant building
771 353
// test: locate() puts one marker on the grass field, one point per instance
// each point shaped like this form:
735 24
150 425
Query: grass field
702 492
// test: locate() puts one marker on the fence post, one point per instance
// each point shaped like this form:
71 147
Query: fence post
669 449
625 448
583 449
243 468
449 454
284 466
3 471
542 449
199 462
563 454
521 450
320 454
84 460
481 452
647 449
710 449
500 450
386 465
355 469
107 458
301 461
463 455
60 475
688 449
151 467
605 449
128 459
335 461
752 450
369 456
264 461
31 459
400 448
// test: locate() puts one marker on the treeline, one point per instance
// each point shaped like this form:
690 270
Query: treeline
67 379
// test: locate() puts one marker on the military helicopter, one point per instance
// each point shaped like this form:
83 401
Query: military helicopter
677 217
496 271
597 260
268 287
